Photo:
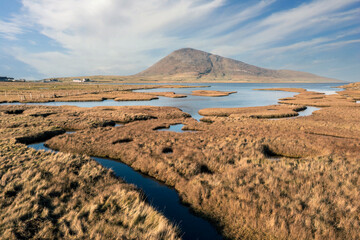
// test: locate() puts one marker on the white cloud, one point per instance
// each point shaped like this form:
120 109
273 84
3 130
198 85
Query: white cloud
338 44
307 19
108 36
323 43
9 30
229 21
117 36
295 46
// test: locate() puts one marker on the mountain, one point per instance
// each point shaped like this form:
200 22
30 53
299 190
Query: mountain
189 64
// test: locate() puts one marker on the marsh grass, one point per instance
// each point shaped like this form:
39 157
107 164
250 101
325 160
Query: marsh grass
27 92
46 195
64 196
226 171
273 111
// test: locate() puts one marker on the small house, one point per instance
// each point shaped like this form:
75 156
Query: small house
6 79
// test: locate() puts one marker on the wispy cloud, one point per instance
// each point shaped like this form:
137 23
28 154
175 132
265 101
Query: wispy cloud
119 36
226 22
9 30
339 44
307 19
108 36
321 43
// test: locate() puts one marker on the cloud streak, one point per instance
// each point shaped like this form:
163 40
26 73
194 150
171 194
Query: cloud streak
124 37
9 30
307 19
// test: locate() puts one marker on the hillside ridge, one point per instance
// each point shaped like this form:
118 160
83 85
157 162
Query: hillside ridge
189 63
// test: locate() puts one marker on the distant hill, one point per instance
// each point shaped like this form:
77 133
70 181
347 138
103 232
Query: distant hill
189 64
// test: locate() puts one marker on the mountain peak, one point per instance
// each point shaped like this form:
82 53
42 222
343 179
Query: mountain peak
187 49
197 65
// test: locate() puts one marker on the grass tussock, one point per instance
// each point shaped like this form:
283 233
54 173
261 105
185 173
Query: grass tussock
64 196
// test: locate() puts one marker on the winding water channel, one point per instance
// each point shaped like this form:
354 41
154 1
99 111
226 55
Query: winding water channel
166 199
159 196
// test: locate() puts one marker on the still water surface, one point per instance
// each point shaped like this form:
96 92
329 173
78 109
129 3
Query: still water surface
175 128
246 96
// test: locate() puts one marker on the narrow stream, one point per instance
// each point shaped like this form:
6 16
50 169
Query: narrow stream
163 198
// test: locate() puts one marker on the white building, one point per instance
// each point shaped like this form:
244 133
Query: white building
81 80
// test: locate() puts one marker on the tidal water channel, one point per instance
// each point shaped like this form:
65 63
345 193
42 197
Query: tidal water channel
163 198
166 199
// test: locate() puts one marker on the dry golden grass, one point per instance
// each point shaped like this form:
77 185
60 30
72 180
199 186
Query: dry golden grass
238 173
65 196
258 179
211 93
309 98
24 118
66 92
351 90
352 86
272 111
167 94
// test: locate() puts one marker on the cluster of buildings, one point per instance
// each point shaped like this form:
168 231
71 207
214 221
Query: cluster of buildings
74 80
9 79
50 80
81 80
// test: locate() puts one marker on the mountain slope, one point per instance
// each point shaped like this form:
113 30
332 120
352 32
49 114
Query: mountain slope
191 64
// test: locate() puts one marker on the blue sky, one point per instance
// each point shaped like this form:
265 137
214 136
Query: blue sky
52 38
